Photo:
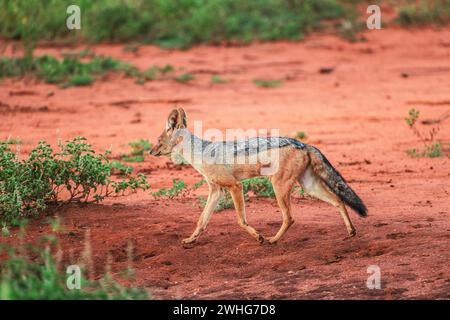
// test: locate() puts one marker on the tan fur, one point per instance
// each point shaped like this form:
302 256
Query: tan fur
294 166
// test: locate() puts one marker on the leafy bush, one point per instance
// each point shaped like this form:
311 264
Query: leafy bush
260 186
24 278
74 174
169 23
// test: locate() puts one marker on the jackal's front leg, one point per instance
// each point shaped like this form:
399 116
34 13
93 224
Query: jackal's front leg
213 198
238 199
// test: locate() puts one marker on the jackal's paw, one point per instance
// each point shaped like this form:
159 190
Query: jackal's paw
188 240
351 234
260 238
272 240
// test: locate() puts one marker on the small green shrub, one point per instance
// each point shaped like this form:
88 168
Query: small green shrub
166 69
133 158
80 80
13 141
216 79
28 187
185 77
225 202
267 83
154 73
178 187
5 230
199 184
138 147
121 169
301 135
432 149
260 186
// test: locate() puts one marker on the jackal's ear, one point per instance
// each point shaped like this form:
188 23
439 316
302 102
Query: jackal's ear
176 120
182 116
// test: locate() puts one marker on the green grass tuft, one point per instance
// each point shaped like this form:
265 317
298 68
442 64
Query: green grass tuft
80 80
138 148
267 83
12 141
185 77
429 151
216 79
301 135
177 189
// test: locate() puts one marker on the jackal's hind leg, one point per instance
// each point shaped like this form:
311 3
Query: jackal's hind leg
238 199
315 187
282 190
213 198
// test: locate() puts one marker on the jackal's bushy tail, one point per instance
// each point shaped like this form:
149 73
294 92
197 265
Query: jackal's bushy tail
333 179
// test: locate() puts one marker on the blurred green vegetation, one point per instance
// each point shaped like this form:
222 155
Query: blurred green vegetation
77 70
424 12
31 273
183 23
169 23
69 71
268 83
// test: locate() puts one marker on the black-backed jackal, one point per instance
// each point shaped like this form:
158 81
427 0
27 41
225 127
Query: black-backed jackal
284 160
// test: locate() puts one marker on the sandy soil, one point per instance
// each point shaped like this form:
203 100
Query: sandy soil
354 114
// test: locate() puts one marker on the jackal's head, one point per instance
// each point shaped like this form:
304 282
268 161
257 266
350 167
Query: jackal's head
168 138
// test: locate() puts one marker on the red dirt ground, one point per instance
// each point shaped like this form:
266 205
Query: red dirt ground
355 115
